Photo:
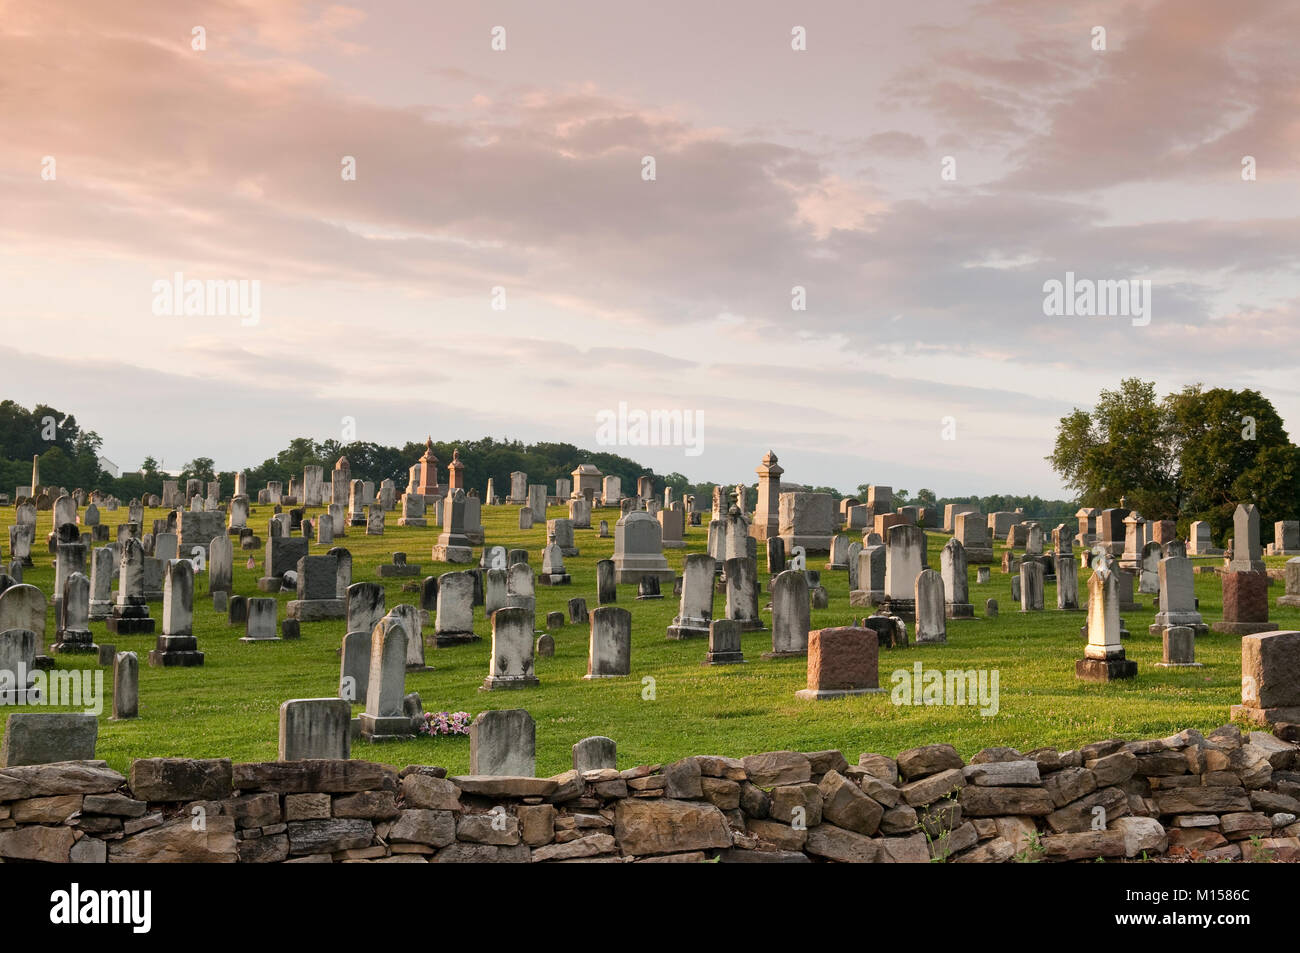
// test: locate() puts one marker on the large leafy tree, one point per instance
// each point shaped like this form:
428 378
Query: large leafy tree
1194 455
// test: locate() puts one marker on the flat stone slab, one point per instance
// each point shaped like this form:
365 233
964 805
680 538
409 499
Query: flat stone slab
504 785
315 610
47 737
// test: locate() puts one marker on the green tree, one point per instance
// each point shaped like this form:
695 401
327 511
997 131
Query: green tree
1126 446
1194 455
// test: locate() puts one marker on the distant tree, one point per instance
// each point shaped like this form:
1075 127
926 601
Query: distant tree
200 468
1194 455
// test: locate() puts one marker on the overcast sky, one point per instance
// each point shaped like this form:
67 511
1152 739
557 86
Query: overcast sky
523 169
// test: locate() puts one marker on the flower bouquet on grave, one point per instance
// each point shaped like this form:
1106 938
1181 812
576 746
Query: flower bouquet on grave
445 723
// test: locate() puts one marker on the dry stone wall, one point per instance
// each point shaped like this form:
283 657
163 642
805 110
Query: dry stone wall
1226 796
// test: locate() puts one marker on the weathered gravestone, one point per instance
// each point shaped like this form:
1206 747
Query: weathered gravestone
791 614
315 728
1270 679
317 591
511 662
695 612
126 686
385 716
454 623
956 580
1104 658
1178 598
503 743
638 549
742 593
609 650
842 661
48 737
595 754
724 643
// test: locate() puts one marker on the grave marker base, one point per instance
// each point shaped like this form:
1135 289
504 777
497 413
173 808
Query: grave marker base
825 694
1104 670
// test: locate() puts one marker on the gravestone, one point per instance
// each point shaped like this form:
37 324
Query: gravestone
537 501
775 555
17 667
1292 596
724 643
580 513
871 577
1202 542
807 520
904 560
281 556
1245 603
1031 587
931 615
553 573
130 613
1149 568
324 529
518 488
317 591
956 580
409 617
791 614
609 649
1104 659
1034 540
453 546
595 754
842 661
221 563
126 686
412 511
238 515
503 743
1270 679
354 666
611 493
1087 535
103 566
495 593
511 662
839 553
454 624
742 593
695 611
606 588
398 568
1179 648
260 620
364 607
374 520
1246 553
672 526
313 728
1178 598
48 737
1067 583
74 624
177 646
385 716
638 549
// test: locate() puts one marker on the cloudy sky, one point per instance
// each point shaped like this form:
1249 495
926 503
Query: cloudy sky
489 177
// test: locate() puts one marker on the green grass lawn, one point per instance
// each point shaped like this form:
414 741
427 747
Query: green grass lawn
229 707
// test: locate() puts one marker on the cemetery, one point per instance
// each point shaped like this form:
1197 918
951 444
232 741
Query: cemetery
613 696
